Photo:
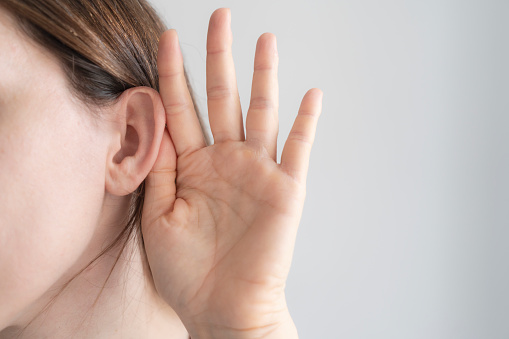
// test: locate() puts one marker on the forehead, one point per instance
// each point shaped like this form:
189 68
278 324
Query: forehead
23 63
11 47
14 46
12 58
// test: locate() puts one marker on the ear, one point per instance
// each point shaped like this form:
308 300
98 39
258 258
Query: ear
136 138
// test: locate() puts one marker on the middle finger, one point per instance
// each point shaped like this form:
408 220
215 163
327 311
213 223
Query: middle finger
225 113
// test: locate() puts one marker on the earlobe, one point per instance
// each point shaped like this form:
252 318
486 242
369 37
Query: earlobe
136 138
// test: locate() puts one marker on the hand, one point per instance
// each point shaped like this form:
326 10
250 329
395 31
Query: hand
219 222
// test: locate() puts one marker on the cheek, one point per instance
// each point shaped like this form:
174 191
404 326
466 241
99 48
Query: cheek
52 183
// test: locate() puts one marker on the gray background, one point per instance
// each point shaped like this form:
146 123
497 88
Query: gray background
405 229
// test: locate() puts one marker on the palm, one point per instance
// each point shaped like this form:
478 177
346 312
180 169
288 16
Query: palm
233 219
220 221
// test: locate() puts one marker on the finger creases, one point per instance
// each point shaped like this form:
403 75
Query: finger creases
262 117
183 124
160 186
223 101
297 149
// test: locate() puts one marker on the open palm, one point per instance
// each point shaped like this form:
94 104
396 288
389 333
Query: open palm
219 221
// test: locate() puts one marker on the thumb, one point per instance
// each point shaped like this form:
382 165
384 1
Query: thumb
160 188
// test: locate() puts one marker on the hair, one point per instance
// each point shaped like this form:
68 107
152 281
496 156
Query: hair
104 47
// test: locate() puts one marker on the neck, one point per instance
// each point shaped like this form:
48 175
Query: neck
102 303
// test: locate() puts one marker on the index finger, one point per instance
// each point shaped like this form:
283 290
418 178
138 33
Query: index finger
182 121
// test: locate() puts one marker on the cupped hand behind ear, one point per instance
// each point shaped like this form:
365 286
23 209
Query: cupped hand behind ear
219 222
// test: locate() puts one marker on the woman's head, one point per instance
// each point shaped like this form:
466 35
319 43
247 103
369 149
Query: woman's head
80 126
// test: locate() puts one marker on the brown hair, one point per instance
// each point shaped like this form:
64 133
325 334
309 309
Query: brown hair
104 48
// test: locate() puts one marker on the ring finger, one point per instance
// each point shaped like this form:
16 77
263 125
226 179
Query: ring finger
262 123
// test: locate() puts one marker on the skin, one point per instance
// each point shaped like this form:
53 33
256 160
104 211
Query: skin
229 209
64 178
219 222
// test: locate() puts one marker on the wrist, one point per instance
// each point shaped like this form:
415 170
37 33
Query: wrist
282 329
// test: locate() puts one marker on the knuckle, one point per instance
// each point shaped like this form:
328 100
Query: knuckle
222 135
219 92
215 51
175 108
307 113
264 66
171 73
301 137
261 103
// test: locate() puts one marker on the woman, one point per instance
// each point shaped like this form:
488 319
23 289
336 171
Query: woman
117 220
